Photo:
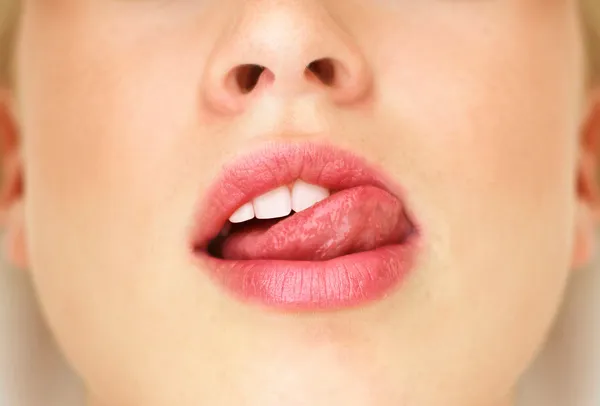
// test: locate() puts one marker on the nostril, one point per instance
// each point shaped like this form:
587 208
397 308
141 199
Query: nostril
247 76
324 70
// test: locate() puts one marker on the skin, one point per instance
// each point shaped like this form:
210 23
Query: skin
119 121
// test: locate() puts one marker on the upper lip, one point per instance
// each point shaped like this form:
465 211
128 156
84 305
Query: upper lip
275 165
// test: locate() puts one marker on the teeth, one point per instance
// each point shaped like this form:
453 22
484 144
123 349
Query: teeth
304 195
273 204
280 202
244 213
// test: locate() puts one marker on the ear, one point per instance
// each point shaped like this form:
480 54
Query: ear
11 185
588 187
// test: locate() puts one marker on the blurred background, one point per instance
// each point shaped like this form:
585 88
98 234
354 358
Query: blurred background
32 372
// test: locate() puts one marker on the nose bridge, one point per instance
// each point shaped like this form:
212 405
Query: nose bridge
290 42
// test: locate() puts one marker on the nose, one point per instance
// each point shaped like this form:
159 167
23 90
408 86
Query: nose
286 48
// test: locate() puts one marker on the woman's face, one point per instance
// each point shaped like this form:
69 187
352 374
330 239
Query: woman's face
129 112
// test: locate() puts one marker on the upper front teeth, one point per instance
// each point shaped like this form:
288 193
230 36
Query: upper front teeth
305 195
280 202
273 204
244 213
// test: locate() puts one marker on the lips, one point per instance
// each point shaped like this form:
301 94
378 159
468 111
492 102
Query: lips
350 246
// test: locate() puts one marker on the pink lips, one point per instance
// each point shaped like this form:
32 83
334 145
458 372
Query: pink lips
348 250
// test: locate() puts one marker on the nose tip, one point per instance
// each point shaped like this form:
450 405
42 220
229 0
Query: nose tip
285 51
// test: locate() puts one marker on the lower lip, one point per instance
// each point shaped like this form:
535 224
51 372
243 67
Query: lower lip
344 282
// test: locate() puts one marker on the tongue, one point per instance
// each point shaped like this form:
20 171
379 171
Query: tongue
353 220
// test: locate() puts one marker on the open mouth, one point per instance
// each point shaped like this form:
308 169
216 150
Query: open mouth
305 227
246 228
307 223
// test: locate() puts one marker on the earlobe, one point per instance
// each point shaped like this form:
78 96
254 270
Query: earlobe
11 187
583 246
14 247
588 187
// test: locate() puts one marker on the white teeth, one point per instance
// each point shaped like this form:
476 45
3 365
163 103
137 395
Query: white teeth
244 213
273 204
304 195
280 202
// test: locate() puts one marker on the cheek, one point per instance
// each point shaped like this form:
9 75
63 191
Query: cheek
486 119
109 120
485 123
114 166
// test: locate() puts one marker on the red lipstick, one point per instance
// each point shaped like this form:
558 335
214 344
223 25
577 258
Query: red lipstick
348 250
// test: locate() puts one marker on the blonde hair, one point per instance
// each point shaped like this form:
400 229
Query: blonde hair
9 20
8 29
591 13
